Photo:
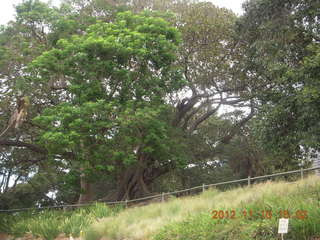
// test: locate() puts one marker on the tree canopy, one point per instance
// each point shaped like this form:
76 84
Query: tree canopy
280 42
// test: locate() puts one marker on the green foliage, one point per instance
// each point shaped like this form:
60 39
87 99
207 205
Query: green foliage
67 127
294 117
5 222
280 63
117 76
49 224
24 195
131 57
36 12
21 41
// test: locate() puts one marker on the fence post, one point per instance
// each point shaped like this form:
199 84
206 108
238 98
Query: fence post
249 181
203 187
162 197
301 173
126 203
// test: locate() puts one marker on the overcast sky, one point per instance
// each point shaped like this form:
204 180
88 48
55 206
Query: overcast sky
7 10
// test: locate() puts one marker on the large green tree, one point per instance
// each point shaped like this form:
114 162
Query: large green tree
106 95
115 78
37 28
280 42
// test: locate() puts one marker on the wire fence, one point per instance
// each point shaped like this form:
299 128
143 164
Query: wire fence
162 197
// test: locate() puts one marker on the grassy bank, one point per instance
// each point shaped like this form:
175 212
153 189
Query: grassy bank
191 218
241 214
49 224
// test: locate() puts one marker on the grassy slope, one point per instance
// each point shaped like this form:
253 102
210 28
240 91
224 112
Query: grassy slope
50 223
190 218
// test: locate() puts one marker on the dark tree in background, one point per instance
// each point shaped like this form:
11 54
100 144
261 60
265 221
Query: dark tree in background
280 48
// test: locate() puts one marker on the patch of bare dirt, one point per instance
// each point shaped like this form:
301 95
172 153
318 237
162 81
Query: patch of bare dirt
29 236
4 236
62 236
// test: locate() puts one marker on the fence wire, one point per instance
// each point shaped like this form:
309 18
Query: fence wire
162 195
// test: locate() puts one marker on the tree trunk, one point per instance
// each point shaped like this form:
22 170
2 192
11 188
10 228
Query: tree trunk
135 182
86 194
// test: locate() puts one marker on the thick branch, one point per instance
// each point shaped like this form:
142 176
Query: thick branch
32 147
204 117
190 115
231 102
226 139
6 187
182 109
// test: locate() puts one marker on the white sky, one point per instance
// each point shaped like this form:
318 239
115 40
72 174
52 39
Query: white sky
234 5
7 10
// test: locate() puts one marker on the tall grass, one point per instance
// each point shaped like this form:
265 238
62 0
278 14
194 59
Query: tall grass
185 218
49 224
190 218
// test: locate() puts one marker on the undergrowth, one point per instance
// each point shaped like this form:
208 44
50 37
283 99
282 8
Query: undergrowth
49 224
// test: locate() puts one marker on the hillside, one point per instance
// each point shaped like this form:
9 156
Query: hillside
241 213
192 218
